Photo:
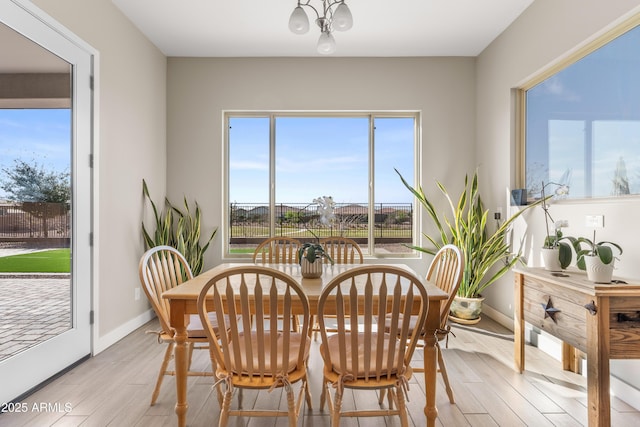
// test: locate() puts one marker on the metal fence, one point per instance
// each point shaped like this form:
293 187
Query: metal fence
35 222
249 222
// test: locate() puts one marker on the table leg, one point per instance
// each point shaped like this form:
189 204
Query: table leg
518 323
431 362
180 323
598 382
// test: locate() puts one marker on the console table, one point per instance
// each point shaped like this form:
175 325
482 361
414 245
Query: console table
602 320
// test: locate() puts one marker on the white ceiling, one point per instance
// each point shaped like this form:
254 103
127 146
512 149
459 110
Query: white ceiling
249 28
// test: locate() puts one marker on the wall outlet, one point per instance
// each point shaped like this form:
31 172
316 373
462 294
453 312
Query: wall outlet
594 221
136 294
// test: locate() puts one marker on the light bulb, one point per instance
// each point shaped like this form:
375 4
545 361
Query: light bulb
298 21
342 19
326 43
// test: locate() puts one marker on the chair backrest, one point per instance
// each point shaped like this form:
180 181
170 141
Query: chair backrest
361 300
342 250
280 250
245 293
162 268
445 272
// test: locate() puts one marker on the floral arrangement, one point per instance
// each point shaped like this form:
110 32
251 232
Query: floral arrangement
554 241
313 251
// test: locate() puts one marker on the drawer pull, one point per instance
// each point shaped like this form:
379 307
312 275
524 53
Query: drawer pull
624 317
593 310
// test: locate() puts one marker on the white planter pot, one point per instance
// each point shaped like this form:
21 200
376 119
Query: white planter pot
311 270
598 272
551 259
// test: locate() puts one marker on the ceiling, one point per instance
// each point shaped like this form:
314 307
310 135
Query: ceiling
254 28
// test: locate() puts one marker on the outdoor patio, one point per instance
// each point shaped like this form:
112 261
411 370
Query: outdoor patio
34 308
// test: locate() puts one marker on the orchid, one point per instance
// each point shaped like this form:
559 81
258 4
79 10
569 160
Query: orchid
553 241
314 251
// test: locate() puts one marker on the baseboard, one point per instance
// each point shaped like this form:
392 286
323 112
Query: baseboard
102 343
497 316
553 347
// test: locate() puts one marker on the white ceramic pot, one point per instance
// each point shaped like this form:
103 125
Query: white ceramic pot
466 310
597 271
311 270
551 259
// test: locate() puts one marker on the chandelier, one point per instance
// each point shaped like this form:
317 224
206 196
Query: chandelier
333 15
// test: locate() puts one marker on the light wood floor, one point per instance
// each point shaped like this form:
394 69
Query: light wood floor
114 388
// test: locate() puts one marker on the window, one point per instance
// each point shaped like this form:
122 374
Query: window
278 163
582 124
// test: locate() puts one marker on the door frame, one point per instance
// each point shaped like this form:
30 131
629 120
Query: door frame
33 23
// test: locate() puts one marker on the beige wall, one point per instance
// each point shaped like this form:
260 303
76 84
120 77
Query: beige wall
545 33
199 90
131 113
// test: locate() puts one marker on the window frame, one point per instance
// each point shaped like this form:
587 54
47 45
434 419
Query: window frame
371 115
565 62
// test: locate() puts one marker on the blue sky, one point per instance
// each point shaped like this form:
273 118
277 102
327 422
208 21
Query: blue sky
40 135
326 156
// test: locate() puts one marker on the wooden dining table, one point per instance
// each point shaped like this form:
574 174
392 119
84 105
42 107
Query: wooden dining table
183 298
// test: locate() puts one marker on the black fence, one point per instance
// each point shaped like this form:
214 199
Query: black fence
249 223
36 223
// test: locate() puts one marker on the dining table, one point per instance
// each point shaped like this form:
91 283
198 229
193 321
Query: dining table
183 303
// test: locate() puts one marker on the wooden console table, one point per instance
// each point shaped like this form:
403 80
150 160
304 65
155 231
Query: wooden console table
602 320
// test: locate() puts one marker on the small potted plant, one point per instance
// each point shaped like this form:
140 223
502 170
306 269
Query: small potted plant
311 255
596 258
556 254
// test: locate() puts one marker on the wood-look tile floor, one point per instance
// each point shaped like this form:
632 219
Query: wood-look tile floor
114 388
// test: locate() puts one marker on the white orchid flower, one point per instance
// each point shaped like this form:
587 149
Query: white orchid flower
326 206
562 223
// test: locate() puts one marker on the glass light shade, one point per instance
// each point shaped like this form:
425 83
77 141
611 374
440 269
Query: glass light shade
298 21
326 43
342 19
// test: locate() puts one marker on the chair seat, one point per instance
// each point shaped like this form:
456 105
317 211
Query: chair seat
295 339
333 346
196 329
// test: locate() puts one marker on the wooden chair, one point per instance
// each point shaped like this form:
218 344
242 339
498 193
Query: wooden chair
445 271
342 250
361 355
162 268
263 356
277 250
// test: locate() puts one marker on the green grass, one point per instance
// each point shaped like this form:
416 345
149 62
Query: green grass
52 261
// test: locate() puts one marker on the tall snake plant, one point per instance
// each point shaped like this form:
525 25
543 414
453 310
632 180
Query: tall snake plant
178 228
466 228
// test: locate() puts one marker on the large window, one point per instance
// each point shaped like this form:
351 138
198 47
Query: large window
582 123
278 163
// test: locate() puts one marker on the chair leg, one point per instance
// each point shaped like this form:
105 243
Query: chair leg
443 371
323 394
402 408
337 408
226 406
163 368
291 406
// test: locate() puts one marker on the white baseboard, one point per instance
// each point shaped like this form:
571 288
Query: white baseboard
553 347
101 343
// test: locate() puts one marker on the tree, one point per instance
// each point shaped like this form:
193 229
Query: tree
44 194
30 182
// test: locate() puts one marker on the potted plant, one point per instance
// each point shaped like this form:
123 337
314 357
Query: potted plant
467 228
556 254
177 228
596 258
311 255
